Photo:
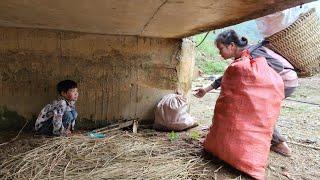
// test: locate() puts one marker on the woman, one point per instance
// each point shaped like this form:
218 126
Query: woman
231 46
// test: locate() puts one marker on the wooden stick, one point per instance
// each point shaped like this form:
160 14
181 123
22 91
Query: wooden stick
135 126
307 146
115 126
16 135
109 126
215 171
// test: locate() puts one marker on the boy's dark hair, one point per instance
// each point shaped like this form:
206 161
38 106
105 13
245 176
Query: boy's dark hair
65 85
230 36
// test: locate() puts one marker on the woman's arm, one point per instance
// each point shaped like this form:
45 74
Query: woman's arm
203 91
275 64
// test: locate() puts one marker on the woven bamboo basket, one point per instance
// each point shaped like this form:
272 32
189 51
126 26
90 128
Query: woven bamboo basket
300 43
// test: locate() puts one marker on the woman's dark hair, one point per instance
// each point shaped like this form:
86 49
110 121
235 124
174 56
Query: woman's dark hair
230 36
65 85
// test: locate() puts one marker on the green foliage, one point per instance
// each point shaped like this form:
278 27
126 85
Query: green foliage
207 55
301 108
172 136
212 66
195 135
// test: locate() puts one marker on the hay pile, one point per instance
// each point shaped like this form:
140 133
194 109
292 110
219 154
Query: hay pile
120 156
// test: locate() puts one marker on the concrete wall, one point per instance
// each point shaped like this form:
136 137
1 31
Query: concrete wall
119 77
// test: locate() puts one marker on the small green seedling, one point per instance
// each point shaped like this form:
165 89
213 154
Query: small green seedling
195 135
173 136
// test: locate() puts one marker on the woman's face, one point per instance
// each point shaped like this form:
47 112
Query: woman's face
226 51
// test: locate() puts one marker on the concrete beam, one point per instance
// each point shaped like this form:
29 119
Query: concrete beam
148 18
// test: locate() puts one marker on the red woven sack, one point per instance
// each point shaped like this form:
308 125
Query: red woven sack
245 115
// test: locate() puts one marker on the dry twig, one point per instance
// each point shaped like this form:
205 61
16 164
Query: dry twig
304 145
2 144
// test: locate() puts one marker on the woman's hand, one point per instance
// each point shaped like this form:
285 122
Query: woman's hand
200 92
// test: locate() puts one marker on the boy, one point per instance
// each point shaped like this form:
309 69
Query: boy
58 118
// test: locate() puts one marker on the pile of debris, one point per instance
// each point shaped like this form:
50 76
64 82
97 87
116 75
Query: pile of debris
118 156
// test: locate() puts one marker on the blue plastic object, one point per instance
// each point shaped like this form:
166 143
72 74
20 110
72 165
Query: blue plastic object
96 135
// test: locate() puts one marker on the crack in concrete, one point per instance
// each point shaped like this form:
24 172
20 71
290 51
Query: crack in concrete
154 14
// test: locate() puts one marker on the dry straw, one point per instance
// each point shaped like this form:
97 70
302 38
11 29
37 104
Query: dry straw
120 156
300 43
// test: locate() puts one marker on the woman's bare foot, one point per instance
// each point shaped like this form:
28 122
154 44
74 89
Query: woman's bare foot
281 148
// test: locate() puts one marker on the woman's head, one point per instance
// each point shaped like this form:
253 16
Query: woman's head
229 44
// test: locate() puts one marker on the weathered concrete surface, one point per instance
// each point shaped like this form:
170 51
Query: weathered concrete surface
186 66
119 77
152 18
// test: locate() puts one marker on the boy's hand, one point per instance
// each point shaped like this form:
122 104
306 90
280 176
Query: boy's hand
200 92
68 132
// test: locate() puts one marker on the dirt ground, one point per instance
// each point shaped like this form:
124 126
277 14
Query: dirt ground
299 122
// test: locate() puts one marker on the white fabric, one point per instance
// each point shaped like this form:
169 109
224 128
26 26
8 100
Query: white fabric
273 23
171 114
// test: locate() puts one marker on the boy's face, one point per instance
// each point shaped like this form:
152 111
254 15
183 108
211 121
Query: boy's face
71 94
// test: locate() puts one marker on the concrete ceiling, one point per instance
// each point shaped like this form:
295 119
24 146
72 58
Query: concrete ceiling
150 18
